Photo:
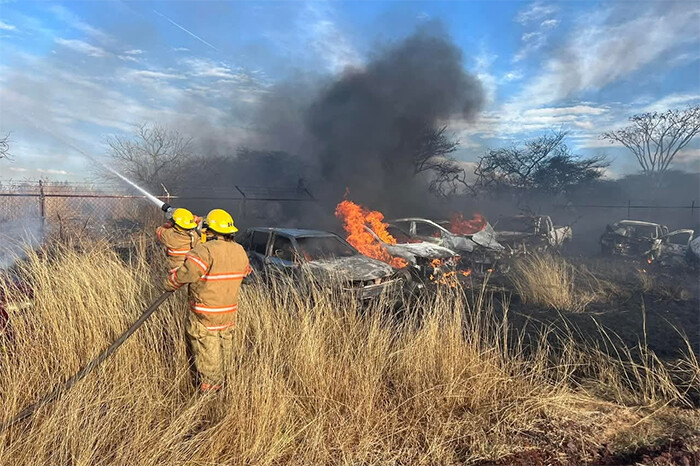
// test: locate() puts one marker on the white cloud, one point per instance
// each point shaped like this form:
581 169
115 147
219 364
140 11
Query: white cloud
549 24
532 36
560 111
203 67
76 23
81 47
17 169
535 12
327 38
678 100
7 27
600 51
129 58
482 68
512 76
137 75
535 39
51 171
134 52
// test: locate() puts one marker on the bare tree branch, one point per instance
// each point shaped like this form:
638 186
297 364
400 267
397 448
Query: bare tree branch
432 156
545 163
5 147
153 156
656 138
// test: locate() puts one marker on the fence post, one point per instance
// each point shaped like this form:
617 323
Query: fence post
242 204
692 211
42 202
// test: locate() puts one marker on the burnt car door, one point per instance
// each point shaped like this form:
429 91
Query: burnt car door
282 258
255 243
676 243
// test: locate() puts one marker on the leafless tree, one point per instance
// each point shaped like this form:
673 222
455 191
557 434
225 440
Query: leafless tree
5 147
153 156
433 156
545 163
655 138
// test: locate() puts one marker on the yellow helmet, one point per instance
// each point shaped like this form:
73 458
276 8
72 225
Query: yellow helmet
221 222
184 219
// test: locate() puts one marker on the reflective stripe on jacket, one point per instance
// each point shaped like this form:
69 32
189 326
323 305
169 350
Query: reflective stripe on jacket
214 271
177 243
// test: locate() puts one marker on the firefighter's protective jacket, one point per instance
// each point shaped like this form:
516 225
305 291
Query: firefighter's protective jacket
214 270
177 243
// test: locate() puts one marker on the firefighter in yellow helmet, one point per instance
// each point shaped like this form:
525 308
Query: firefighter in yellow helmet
178 235
214 271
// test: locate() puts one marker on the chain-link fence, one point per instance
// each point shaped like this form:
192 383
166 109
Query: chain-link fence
110 211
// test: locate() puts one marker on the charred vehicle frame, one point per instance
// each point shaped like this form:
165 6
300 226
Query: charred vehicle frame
480 252
646 240
531 233
319 255
427 261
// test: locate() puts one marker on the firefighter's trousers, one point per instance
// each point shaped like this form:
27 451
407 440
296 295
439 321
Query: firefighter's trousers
211 351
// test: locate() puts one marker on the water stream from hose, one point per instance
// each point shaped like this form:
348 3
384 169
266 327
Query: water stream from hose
148 195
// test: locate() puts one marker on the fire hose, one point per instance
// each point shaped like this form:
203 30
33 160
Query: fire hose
65 386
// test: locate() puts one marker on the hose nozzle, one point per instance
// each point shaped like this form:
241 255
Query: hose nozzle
168 209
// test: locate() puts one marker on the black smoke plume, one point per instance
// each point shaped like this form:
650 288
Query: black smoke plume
361 131
368 127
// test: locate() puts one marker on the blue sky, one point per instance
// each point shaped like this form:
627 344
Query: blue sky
72 73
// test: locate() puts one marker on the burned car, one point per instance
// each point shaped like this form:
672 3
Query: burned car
428 261
692 253
531 233
480 252
650 241
317 255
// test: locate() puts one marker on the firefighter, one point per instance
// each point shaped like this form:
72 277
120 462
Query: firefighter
214 270
178 235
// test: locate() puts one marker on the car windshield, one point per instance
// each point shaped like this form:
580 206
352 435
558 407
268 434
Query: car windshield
323 247
519 224
636 231
399 235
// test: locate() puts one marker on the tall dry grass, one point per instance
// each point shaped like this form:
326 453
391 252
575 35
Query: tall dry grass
551 281
315 379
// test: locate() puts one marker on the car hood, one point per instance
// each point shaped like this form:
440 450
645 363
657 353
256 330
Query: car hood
352 268
486 238
410 251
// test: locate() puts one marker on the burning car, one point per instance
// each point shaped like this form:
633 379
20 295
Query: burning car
480 251
524 233
430 262
319 255
651 241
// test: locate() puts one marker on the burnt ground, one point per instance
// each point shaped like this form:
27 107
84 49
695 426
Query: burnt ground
684 452
655 306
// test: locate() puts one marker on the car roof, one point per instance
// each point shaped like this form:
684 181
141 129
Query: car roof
295 232
411 219
636 222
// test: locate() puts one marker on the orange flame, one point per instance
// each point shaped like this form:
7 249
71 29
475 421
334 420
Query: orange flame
460 226
354 218
451 278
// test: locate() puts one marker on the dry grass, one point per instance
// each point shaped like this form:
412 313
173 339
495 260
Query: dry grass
551 281
315 379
